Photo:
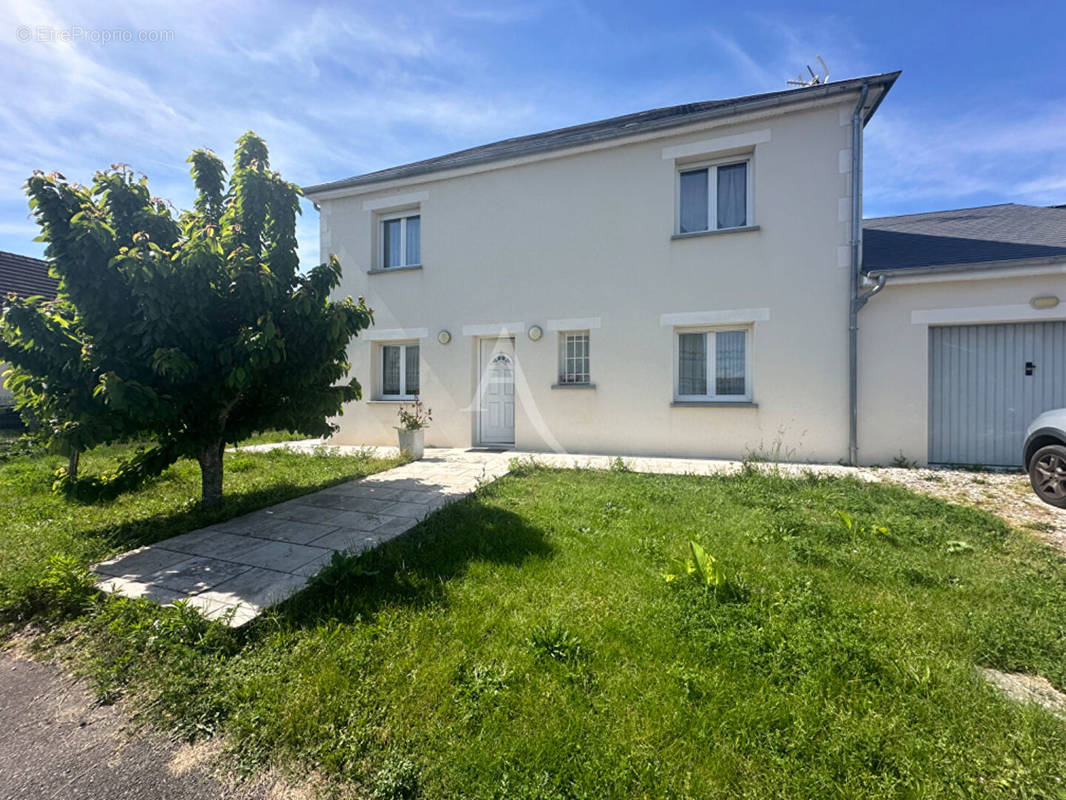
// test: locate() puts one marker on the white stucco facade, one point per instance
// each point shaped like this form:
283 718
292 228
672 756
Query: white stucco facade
585 239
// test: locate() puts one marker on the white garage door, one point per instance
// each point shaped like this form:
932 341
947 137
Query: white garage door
986 383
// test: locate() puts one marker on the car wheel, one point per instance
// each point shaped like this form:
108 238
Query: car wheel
1047 473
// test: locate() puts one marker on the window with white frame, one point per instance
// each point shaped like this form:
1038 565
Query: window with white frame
713 365
399 371
714 197
574 357
400 236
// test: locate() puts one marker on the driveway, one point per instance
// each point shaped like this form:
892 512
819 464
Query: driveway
1005 494
56 744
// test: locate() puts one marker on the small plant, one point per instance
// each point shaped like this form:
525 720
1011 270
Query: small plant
900 461
66 588
343 569
396 780
481 682
957 547
853 528
702 566
619 465
416 417
556 643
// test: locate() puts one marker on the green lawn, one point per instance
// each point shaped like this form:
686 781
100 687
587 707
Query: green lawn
524 643
36 524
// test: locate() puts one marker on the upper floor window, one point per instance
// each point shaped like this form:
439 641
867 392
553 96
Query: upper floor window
714 197
574 357
401 240
713 365
399 371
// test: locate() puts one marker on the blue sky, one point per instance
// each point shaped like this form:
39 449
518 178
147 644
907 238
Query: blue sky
978 117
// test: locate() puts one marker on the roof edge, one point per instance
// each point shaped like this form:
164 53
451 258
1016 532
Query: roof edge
744 104
970 266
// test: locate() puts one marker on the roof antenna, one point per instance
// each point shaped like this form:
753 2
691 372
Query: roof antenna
815 78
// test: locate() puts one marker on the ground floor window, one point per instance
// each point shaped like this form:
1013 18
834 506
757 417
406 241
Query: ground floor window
574 357
399 371
713 365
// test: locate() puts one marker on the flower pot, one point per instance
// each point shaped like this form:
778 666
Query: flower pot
412 442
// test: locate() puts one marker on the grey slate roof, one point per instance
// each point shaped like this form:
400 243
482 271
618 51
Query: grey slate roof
25 276
1005 232
616 127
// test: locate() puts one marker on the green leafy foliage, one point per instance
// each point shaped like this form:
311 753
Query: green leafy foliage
65 589
416 417
194 331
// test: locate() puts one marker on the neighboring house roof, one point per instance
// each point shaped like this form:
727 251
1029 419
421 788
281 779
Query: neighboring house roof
616 127
25 276
964 238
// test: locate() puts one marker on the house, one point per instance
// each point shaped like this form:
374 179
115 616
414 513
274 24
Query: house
684 281
25 277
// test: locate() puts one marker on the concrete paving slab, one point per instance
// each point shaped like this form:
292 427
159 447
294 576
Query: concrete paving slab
368 505
356 520
281 556
347 540
401 509
297 532
301 512
196 574
256 588
142 561
224 546
255 523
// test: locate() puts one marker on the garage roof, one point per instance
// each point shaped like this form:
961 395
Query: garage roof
25 276
966 236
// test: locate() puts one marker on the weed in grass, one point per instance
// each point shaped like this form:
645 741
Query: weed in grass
66 589
396 780
1036 525
618 464
480 686
556 643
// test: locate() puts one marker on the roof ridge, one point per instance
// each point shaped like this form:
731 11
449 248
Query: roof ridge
947 211
608 128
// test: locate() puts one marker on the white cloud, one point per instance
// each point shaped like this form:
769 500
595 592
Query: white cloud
1009 155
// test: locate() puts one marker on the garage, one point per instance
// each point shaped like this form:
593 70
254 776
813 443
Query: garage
987 383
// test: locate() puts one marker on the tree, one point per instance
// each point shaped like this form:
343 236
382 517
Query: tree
194 332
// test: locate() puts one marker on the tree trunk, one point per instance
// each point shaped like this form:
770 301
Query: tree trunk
72 463
210 458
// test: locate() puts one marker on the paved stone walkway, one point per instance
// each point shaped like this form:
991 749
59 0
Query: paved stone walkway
235 569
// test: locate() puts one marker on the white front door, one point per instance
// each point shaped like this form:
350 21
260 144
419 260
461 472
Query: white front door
496 390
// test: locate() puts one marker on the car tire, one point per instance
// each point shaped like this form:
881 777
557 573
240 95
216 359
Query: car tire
1047 474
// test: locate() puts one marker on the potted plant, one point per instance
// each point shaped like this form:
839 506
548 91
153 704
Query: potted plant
412 428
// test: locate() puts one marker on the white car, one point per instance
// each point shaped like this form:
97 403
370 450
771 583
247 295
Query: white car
1044 455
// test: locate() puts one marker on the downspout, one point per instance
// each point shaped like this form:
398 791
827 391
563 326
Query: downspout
854 302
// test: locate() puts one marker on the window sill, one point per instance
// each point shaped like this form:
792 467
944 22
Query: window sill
381 270
573 386
394 401
714 404
718 232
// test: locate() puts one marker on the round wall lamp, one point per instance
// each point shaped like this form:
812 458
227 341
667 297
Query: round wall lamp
1044 301
535 332
444 337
